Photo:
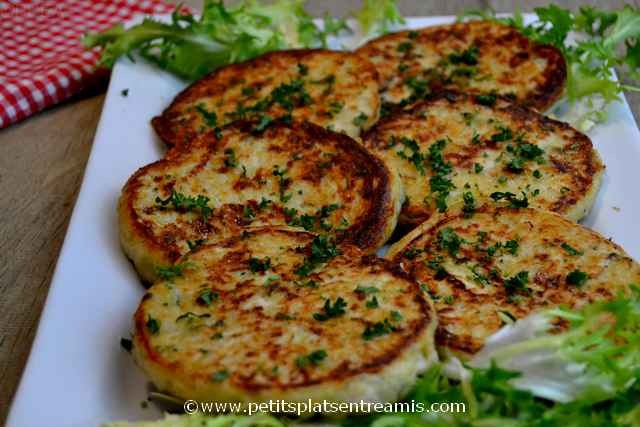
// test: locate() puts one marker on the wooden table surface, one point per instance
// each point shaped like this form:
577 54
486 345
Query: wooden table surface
42 162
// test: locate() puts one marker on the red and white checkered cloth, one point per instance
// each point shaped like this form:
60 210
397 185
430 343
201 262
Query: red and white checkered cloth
42 61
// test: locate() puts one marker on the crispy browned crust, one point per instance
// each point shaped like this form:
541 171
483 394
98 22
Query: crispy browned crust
609 268
577 162
177 125
498 44
364 189
244 370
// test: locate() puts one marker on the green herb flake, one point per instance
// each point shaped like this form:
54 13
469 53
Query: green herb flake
183 203
366 290
450 241
511 198
486 99
220 376
257 265
206 297
314 358
570 250
360 119
330 311
322 250
577 278
153 325
378 329
172 271
372 303
517 283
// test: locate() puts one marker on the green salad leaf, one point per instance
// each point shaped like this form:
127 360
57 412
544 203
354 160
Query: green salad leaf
378 16
191 46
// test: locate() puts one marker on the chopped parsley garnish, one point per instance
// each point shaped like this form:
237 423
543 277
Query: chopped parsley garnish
396 315
263 123
183 203
248 212
311 222
448 240
283 182
313 358
517 283
449 299
510 246
412 253
210 118
439 183
537 174
322 250
172 271
366 290
378 329
404 47
124 92
257 265
478 277
436 265
477 168
230 159
220 376
264 203
503 134
570 250
577 278
372 303
360 119
195 244
415 156
206 297
419 90
487 99
466 57
248 91
513 200
153 325
469 204
522 153
330 311
335 107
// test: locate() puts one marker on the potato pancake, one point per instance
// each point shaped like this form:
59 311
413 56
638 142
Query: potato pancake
335 90
500 264
283 314
299 175
475 56
457 149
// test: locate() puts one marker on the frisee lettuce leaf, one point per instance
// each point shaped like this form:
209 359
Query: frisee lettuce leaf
191 46
603 40
378 16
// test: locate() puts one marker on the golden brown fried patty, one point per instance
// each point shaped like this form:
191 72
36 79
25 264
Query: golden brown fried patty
300 174
476 56
336 90
456 149
257 317
502 264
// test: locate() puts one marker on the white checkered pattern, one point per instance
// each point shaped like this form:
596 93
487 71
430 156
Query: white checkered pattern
42 61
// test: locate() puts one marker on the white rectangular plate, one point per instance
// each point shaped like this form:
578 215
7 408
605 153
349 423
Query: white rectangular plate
77 374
